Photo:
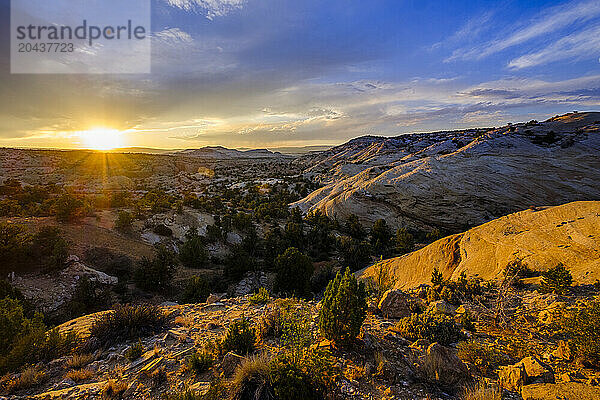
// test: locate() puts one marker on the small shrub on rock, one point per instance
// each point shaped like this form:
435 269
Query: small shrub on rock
200 362
344 309
432 327
128 322
197 290
156 274
260 297
294 271
240 338
124 222
556 280
582 329
482 356
135 351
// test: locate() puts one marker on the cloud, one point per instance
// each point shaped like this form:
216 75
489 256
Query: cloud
545 23
211 8
571 47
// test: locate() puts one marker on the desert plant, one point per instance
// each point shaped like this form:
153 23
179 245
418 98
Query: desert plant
252 379
581 327
135 351
344 309
192 252
556 280
404 241
156 274
78 375
78 361
197 290
124 221
437 279
200 362
294 271
433 327
482 391
381 237
240 337
29 378
114 389
484 357
260 297
162 230
127 322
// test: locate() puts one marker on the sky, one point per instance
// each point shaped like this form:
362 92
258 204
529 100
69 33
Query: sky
271 73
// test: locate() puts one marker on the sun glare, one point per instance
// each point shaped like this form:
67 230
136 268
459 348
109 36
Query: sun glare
102 139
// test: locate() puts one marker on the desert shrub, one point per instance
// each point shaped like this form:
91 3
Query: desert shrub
48 248
404 241
272 322
192 252
433 327
103 259
485 358
260 297
156 274
239 262
240 338
356 254
128 322
29 378
68 208
381 237
113 390
24 340
252 379
294 271
89 296
517 270
216 391
200 362
581 327
321 278
382 280
124 222
482 391
14 242
466 320
162 230
78 375
437 279
78 361
557 280
135 351
353 227
196 290
344 309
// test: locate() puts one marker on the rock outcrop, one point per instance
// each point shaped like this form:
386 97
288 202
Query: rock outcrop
541 238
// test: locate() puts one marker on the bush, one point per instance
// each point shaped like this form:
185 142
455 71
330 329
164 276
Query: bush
321 278
128 322
216 391
344 309
14 242
135 351
162 230
200 362
192 252
356 254
156 274
114 389
294 271
381 237
482 391
124 222
556 280
49 249
78 375
437 279
260 297
68 208
432 327
106 261
485 358
29 378
404 241
197 290
581 327
240 338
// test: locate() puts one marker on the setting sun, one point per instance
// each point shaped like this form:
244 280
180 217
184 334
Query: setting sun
102 139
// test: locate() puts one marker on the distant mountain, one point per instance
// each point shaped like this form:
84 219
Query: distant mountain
567 234
220 152
458 179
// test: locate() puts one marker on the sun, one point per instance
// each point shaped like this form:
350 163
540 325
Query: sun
102 139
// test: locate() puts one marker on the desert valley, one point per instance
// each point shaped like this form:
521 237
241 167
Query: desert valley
448 265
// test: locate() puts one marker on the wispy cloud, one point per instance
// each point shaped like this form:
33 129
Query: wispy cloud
211 8
545 23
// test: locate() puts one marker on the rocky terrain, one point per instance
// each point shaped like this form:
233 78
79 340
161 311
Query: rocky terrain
459 179
541 238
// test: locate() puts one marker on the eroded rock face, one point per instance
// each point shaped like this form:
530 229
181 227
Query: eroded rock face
455 180
529 370
563 390
395 304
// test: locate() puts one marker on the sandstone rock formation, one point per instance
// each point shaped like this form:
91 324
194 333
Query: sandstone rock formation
456 180
568 234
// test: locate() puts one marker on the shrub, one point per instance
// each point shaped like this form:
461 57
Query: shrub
260 297
49 249
381 237
321 278
114 389
14 242
162 230
482 391
404 241
128 322
433 327
437 279
482 356
240 338
78 375
103 259
29 378
200 362
556 280
197 290
68 208
135 351
156 274
124 221
192 252
582 329
294 271
344 309
356 254
79 360
216 391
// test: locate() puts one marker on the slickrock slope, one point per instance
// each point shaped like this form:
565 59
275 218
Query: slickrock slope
456 180
568 234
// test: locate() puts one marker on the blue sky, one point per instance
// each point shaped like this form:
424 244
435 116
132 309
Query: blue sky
268 73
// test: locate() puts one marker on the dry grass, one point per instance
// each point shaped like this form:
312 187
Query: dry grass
78 375
29 378
251 378
482 391
184 321
79 361
114 389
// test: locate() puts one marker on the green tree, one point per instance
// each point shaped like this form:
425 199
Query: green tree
344 309
294 271
381 237
68 208
436 277
404 241
353 227
356 253
124 221
556 280
49 249
14 243
197 290
156 274
192 252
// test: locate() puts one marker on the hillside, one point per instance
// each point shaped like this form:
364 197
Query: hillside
456 180
568 234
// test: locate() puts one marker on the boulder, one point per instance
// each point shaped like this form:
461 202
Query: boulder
563 390
442 366
512 377
563 352
230 363
527 371
442 307
395 304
